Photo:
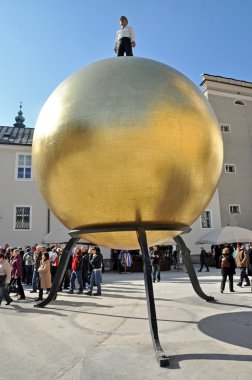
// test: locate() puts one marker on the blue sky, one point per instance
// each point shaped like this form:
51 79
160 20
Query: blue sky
44 41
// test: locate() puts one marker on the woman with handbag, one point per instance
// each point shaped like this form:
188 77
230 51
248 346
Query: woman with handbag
44 274
5 278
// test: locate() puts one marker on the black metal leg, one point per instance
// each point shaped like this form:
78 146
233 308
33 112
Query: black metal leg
59 273
162 359
190 269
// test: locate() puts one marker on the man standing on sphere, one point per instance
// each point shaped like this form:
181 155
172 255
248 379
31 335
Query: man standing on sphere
125 39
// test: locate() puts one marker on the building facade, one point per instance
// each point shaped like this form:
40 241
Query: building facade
24 216
231 100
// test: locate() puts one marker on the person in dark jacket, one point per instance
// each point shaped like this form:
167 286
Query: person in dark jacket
203 260
17 271
37 257
249 260
156 255
85 266
227 265
96 275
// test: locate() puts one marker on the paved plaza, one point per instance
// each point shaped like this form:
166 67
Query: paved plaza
107 337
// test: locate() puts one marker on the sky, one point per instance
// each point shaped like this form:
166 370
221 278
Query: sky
42 42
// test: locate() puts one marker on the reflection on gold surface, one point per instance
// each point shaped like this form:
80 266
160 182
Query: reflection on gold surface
131 140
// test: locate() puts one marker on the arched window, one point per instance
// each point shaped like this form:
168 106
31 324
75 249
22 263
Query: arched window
240 103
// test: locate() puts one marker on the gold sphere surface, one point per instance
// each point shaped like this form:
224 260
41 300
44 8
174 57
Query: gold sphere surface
127 141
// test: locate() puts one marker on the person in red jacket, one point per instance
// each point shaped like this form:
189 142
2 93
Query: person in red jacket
76 271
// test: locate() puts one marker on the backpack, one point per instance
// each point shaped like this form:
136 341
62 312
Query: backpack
29 259
225 263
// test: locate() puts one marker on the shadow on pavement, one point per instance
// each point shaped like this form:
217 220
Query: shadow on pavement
175 360
233 328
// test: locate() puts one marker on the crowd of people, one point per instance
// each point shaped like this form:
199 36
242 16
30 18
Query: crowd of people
229 258
36 266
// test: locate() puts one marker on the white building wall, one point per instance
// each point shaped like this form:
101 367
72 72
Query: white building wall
20 193
197 230
235 188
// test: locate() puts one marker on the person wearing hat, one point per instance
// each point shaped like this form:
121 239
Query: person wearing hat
125 39
96 275
227 265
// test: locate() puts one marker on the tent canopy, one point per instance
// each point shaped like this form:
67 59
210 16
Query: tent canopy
224 235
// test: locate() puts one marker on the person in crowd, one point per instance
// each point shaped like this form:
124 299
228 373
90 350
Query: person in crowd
28 261
216 253
125 38
85 266
76 271
9 253
16 273
21 252
242 263
96 275
175 259
249 258
67 275
44 271
227 265
155 255
203 260
54 259
5 279
37 257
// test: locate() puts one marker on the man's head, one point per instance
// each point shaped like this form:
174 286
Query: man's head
76 251
225 251
39 248
94 250
123 21
16 252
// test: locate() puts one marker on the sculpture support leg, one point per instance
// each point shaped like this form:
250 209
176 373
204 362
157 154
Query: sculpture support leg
190 269
162 359
59 273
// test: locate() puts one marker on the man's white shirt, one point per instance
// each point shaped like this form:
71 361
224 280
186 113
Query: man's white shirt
128 31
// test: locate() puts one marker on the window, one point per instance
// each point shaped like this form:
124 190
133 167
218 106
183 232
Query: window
234 209
225 128
240 103
206 220
230 168
23 167
22 218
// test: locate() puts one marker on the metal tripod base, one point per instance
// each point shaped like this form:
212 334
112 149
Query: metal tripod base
162 358
59 273
190 269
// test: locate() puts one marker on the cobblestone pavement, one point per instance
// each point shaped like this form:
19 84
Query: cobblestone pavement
107 337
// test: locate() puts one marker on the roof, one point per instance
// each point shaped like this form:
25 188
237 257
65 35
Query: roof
16 135
225 80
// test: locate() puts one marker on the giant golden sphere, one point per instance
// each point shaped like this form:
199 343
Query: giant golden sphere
127 141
